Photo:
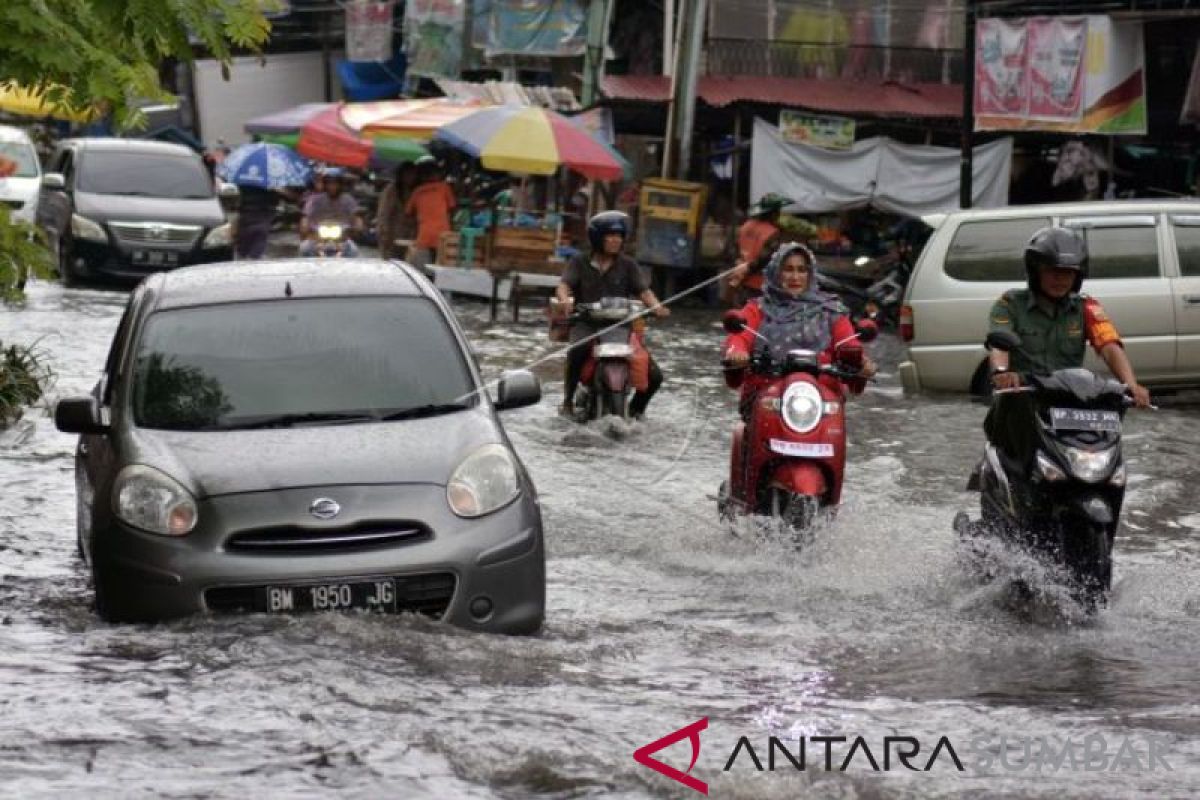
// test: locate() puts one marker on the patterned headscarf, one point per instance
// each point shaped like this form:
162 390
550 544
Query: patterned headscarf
800 322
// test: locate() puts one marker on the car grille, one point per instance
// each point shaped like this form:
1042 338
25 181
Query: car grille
155 233
16 205
306 540
423 594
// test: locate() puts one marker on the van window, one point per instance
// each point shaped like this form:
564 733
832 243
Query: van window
1124 252
991 250
1187 239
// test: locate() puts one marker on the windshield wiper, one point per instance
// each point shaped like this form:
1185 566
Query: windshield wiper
134 193
429 410
288 420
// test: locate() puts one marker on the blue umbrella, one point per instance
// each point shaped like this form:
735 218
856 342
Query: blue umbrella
265 166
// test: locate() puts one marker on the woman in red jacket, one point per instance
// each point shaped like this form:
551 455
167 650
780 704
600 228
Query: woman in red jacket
793 314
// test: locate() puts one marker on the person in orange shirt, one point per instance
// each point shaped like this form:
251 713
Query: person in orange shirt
431 203
757 239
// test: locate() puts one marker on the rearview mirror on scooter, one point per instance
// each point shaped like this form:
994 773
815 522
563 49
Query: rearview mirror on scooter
867 330
1002 340
733 321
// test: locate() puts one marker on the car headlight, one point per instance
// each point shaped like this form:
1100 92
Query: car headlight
148 499
1048 469
802 407
484 482
1088 465
220 236
84 228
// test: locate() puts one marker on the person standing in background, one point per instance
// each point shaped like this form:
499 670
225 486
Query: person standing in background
431 203
394 222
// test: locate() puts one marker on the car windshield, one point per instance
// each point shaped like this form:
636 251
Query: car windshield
144 175
22 155
286 363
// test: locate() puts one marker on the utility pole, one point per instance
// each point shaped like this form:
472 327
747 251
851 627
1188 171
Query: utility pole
597 43
965 193
677 156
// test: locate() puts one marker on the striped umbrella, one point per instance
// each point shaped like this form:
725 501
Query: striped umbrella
530 140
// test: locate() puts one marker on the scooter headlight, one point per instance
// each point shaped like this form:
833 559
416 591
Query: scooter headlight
329 232
1048 470
802 407
1090 465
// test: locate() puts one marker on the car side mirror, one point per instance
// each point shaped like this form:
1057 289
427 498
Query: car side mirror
867 330
733 321
1002 340
54 181
229 191
79 415
517 389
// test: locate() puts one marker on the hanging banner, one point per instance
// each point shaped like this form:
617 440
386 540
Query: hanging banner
537 28
798 127
1113 78
433 37
1001 68
1056 46
369 30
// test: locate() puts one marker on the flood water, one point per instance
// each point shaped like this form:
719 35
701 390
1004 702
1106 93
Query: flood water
657 617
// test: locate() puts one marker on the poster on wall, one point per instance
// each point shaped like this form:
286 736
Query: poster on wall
537 28
1001 68
369 30
433 37
1056 46
798 127
1112 79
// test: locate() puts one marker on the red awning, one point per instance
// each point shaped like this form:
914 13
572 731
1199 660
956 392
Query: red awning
855 98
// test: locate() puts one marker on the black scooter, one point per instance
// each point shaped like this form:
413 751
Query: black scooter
1063 507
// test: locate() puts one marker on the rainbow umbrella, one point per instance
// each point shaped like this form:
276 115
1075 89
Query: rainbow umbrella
325 137
530 140
410 119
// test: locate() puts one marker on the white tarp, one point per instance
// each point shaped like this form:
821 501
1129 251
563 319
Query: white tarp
898 178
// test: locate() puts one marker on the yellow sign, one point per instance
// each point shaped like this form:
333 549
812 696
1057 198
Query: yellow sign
798 127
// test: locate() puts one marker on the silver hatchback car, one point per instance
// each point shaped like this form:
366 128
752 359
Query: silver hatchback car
303 436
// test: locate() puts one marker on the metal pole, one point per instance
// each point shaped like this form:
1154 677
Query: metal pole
968 115
688 116
668 48
674 110
593 58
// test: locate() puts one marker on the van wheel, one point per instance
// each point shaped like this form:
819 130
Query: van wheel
981 381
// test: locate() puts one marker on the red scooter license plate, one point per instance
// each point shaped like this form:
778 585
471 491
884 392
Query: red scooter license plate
802 449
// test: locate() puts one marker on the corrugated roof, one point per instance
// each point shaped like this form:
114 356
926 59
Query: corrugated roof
889 99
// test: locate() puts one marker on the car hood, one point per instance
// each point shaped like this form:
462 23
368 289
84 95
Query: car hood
106 207
214 463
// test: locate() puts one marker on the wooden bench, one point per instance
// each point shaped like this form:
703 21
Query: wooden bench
524 255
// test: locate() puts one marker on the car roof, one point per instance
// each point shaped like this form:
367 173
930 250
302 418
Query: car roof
11 133
116 144
243 281
1085 208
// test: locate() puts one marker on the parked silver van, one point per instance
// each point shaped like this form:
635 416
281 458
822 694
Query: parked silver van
1145 269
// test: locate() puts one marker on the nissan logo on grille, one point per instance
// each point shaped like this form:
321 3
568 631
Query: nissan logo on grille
156 232
324 508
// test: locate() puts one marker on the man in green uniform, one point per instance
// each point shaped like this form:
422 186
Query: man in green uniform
1055 323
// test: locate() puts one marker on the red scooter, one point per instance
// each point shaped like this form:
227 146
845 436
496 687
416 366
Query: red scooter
789 453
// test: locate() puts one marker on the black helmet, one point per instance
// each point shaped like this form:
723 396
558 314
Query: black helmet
1059 247
604 223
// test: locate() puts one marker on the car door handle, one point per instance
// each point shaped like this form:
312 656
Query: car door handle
1192 299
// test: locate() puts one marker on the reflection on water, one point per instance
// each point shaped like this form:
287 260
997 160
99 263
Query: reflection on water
657 617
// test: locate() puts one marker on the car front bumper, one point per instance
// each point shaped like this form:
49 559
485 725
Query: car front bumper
499 558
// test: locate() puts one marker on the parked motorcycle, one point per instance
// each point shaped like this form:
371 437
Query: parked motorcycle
605 384
789 453
1063 508
880 298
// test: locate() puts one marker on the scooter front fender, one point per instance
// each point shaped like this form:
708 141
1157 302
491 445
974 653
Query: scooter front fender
801 477
614 375
1095 509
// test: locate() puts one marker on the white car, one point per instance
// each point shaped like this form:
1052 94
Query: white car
1144 267
19 190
